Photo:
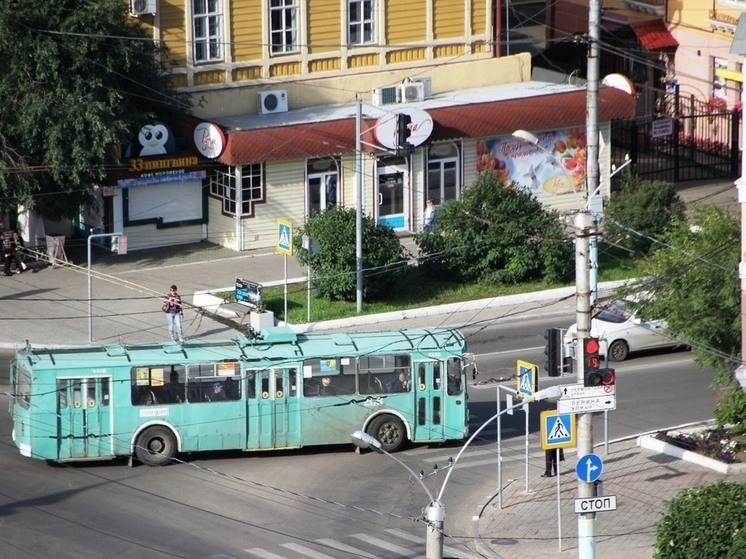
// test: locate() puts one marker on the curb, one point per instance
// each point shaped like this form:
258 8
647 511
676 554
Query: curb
649 442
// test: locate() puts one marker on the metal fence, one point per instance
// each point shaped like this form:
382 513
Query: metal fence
684 139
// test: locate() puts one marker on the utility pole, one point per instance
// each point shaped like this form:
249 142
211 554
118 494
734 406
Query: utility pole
739 47
359 203
585 230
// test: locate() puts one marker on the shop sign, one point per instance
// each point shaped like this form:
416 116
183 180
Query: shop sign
556 166
209 140
421 127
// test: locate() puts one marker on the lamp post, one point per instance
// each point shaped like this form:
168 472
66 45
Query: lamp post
435 512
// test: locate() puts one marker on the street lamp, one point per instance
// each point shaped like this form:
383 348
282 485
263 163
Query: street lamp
435 512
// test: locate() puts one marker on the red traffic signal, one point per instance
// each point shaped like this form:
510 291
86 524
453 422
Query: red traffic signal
591 358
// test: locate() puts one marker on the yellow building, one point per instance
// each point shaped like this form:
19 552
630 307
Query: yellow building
276 85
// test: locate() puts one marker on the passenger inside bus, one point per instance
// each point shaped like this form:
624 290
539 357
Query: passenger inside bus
326 387
401 384
218 393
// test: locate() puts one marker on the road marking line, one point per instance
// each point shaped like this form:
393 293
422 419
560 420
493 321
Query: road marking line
346 548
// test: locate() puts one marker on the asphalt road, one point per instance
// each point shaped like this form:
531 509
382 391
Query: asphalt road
283 504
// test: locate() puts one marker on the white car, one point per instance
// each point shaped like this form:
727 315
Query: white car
621 332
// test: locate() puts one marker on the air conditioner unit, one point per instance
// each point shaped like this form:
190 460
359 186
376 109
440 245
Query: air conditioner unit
427 82
143 7
411 92
271 102
385 96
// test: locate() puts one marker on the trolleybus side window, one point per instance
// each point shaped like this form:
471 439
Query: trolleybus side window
379 373
23 387
329 377
454 372
62 393
157 384
214 382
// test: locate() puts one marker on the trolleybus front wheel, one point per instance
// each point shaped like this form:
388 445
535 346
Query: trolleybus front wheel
156 446
389 430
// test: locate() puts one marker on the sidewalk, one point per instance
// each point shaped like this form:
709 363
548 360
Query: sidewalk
642 480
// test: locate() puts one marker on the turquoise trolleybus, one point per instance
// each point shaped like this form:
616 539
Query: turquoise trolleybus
279 390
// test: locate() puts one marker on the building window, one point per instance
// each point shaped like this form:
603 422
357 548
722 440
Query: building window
322 185
223 187
283 26
362 22
443 173
208 30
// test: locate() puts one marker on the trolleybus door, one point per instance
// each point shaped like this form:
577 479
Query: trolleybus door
274 413
84 417
429 402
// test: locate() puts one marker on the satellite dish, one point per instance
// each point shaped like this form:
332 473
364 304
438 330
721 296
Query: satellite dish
620 82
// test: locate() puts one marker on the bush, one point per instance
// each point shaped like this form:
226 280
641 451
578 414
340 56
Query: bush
641 212
702 523
496 233
334 267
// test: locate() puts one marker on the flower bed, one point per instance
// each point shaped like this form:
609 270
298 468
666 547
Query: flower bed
716 442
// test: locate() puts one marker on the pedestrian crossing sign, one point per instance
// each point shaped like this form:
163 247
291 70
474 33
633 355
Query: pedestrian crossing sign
558 430
528 379
284 237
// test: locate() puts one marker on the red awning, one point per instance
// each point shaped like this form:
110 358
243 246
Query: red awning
476 120
653 35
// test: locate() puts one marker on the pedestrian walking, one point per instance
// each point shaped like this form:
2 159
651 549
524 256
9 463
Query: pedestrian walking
175 312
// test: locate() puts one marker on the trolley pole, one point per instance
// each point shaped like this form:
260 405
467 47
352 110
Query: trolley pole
90 287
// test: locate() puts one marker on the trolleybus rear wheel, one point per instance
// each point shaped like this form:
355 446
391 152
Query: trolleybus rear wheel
156 446
389 430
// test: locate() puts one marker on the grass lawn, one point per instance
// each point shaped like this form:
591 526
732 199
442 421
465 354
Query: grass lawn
420 291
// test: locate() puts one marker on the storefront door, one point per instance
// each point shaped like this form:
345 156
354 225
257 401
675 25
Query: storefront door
390 193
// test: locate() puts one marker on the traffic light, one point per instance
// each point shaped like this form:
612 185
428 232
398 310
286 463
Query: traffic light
403 132
600 377
591 361
553 351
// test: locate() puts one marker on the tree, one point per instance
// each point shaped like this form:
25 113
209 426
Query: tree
498 233
334 267
640 212
79 79
692 284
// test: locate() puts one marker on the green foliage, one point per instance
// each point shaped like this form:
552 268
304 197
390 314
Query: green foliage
497 233
78 79
703 523
641 212
334 269
692 284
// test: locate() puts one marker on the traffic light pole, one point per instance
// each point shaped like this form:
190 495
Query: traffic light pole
584 231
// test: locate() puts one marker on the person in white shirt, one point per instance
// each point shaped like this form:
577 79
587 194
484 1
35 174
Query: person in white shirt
428 218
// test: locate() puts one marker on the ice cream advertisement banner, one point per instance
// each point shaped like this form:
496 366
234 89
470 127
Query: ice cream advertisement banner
555 167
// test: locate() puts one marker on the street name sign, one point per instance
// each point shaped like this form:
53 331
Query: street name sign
595 504
577 398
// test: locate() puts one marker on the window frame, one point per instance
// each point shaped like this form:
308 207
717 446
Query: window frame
357 27
208 15
223 188
280 28
439 192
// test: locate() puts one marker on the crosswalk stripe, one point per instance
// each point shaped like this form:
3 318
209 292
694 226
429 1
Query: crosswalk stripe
307 552
400 551
417 539
346 548
257 552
